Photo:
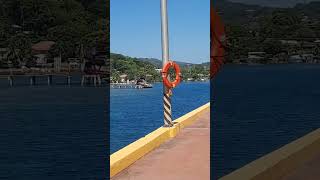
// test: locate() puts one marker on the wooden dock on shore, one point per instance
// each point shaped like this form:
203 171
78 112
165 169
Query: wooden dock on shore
125 86
85 79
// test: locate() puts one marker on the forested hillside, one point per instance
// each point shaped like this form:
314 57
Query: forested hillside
136 68
74 26
281 33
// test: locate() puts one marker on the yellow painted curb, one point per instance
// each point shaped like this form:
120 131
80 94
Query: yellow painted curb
134 151
280 162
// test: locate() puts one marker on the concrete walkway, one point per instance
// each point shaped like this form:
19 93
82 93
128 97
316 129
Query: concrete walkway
308 171
187 156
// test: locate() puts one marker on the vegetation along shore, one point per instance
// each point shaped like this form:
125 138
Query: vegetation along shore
125 68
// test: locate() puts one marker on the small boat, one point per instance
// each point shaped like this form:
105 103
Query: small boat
142 83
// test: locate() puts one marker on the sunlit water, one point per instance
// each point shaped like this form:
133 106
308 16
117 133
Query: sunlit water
137 112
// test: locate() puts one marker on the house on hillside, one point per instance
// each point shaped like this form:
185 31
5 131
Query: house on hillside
289 42
308 58
295 59
158 70
40 51
256 57
123 78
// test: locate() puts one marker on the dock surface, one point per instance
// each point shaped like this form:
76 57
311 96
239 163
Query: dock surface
187 156
308 171
298 160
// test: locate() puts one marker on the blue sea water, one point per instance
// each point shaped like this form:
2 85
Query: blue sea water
51 133
137 112
258 109
59 132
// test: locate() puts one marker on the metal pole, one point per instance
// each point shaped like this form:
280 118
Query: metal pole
164 32
165 58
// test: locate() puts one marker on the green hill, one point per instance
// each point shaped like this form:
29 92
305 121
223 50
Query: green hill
273 3
136 68
158 63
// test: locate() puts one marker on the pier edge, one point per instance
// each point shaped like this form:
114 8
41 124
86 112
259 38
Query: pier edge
126 156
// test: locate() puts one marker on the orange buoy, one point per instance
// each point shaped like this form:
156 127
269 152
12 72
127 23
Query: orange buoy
165 74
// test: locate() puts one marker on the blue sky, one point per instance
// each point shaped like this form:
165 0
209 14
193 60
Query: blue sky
135 29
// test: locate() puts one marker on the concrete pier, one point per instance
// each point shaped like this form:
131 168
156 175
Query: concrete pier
186 156
298 160
309 170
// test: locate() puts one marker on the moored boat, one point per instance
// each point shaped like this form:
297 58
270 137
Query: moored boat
142 83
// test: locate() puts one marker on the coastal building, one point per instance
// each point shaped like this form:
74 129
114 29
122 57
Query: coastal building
308 58
295 59
123 78
40 51
256 57
308 45
148 76
289 42
74 63
281 57
158 70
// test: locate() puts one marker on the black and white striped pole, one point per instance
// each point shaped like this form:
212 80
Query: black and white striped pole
165 58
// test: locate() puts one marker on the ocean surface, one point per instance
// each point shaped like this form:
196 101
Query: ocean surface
137 112
60 132
51 133
258 109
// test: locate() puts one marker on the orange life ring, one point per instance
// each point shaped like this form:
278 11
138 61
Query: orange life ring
165 74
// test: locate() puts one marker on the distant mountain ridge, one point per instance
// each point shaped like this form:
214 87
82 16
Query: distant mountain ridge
158 63
236 12
273 3
239 13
